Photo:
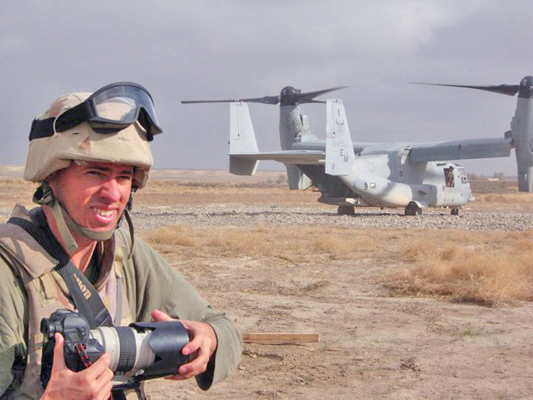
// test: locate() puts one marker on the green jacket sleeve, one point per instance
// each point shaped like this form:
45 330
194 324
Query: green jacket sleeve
152 283
13 306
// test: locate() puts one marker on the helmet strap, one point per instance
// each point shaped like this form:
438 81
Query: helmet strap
45 196
65 223
130 227
83 231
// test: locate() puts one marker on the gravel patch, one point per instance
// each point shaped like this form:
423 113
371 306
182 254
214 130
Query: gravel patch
248 216
243 216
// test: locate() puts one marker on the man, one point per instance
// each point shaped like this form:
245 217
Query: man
89 152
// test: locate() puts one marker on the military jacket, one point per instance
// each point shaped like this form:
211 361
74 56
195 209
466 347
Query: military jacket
130 286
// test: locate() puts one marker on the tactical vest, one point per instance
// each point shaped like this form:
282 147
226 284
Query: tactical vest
46 291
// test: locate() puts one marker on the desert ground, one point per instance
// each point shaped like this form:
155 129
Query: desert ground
425 307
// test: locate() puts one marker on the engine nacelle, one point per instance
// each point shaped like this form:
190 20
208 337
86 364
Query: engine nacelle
522 132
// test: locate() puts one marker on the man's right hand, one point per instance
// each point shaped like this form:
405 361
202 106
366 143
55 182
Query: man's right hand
94 382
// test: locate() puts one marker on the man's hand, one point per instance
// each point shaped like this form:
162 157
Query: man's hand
203 344
94 382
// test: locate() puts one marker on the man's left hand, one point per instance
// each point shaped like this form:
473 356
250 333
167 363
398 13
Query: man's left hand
202 346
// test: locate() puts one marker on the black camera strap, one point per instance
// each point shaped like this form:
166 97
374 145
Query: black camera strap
83 294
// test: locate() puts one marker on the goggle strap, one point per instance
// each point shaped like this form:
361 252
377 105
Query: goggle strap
72 117
41 128
144 120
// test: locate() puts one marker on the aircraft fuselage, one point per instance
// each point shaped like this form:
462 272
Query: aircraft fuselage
382 175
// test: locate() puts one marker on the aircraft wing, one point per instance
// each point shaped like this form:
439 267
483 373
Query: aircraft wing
302 157
461 150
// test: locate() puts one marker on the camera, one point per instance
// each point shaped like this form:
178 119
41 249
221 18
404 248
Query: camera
140 351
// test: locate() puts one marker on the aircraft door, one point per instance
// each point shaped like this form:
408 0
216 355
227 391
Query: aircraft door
449 189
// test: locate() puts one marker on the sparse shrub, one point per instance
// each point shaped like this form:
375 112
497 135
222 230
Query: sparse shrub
261 227
498 271
173 235
448 254
487 268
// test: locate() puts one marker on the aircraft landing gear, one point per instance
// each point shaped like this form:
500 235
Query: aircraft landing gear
346 210
413 209
455 211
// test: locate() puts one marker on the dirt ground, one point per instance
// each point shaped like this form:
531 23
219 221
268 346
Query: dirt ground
372 345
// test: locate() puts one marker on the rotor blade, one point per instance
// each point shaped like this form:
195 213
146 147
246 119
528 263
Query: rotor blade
309 96
509 90
297 97
207 101
315 101
264 100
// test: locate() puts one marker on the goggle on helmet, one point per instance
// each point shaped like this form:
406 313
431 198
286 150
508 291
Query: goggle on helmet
100 111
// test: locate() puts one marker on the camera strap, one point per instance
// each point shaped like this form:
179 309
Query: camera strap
83 293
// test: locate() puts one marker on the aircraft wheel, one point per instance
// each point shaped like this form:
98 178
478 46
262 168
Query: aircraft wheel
455 211
346 210
413 209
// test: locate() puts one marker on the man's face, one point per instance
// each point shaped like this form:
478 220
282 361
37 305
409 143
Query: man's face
93 193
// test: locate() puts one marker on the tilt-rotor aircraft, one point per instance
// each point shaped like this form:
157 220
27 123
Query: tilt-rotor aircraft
360 174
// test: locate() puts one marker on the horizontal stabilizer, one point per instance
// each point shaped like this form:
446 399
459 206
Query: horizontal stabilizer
303 157
461 150
240 166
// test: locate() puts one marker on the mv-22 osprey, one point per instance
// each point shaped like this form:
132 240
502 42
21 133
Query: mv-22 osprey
351 174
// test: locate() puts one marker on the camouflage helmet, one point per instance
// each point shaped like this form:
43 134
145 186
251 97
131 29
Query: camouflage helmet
57 137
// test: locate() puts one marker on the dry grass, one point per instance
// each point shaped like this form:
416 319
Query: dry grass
505 198
491 268
486 268
14 190
300 244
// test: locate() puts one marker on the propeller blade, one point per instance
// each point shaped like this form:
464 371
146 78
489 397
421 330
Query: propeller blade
263 100
315 101
206 101
291 95
309 96
509 90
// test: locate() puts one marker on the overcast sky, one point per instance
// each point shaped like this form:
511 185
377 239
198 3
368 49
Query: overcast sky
183 50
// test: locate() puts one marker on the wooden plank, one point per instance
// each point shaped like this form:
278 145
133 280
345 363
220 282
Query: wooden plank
280 338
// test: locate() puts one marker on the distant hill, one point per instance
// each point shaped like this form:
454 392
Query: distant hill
17 171
217 175
11 171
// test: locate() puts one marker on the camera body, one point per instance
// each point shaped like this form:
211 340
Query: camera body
140 351
75 329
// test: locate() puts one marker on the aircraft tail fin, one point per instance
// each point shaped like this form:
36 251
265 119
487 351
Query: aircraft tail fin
241 140
339 147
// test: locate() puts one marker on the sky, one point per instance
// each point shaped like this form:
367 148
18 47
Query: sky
194 49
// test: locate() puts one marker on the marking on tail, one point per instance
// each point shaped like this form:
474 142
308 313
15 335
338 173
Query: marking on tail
339 147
